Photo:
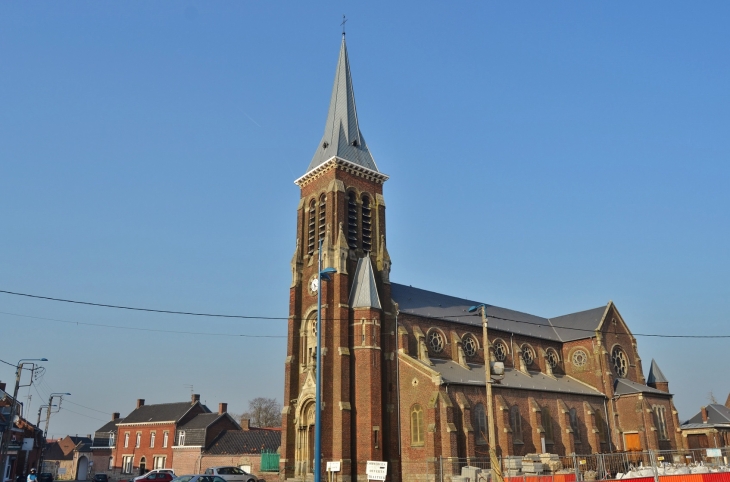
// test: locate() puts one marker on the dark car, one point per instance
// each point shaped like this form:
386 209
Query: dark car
101 478
156 477
45 477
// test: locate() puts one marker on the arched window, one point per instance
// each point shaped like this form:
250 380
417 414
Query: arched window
528 354
574 425
351 220
515 422
552 358
547 424
500 350
143 465
620 361
469 345
436 340
367 233
417 432
480 424
322 217
311 227
660 420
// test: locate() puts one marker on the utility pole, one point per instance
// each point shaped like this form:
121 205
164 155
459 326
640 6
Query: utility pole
48 418
7 435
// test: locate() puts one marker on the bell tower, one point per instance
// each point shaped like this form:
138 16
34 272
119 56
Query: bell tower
342 205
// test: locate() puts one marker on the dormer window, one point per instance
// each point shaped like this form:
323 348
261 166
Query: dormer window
111 440
181 438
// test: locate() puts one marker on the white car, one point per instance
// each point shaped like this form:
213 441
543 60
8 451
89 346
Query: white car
231 474
156 471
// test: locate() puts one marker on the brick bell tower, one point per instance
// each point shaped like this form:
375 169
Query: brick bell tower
341 204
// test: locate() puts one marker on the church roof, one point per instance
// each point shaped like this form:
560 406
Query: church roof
452 372
364 293
655 374
624 386
429 304
342 137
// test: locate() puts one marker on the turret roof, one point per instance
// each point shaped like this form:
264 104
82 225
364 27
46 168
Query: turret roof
364 293
342 137
655 374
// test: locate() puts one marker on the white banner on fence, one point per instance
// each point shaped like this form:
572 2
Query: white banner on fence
333 466
714 452
376 470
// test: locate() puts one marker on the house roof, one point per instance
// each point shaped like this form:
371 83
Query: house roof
110 426
63 449
655 374
716 415
253 441
429 304
452 372
623 386
364 292
342 137
161 412
201 420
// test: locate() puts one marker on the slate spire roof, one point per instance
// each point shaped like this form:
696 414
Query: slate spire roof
364 293
342 137
655 374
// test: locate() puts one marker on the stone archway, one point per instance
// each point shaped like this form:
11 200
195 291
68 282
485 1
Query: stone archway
82 468
305 439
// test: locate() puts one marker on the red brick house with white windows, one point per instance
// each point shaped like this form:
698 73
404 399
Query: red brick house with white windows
147 437
405 366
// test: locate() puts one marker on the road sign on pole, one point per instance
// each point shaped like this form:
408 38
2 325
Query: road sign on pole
376 470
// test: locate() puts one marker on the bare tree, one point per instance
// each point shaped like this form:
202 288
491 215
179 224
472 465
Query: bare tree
711 397
263 412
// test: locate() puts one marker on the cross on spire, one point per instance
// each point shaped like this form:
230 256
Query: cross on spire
344 21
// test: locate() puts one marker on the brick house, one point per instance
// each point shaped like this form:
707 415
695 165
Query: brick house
102 450
405 366
17 461
146 438
241 448
69 458
709 428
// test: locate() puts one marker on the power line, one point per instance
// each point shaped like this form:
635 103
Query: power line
82 414
171 312
156 330
84 406
217 315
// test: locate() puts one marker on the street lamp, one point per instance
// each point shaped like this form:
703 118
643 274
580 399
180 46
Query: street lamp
322 275
5 442
493 461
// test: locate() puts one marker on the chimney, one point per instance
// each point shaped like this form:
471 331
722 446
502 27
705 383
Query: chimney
704 414
140 402
222 408
115 416
246 423
195 398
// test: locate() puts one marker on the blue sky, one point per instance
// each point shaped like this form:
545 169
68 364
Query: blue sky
546 157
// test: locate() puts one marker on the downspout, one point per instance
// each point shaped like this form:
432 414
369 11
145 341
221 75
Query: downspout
397 375
605 412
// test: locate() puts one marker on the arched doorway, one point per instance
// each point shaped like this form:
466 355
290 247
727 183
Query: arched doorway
142 466
82 470
305 440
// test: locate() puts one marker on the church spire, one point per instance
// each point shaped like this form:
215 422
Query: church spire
342 137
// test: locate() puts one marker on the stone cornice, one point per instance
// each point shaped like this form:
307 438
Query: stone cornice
347 166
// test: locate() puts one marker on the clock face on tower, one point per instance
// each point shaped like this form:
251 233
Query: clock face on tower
313 285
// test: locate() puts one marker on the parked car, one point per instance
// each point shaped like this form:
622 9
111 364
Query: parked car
45 477
157 471
156 477
198 478
101 478
231 474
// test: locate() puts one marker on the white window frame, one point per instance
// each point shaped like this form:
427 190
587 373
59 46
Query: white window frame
165 439
127 464
138 440
159 462
126 440
152 440
111 462
181 437
111 439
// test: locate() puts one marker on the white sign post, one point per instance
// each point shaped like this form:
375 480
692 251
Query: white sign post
333 466
376 470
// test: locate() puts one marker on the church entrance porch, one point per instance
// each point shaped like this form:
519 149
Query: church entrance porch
305 441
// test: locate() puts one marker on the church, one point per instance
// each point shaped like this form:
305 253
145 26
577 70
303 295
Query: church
403 368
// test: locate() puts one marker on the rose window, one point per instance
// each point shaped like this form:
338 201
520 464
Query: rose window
620 362
470 346
580 358
552 358
436 341
500 351
528 354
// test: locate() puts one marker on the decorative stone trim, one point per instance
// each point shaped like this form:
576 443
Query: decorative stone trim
344 165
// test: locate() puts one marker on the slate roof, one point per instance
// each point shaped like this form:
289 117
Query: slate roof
342 136
202 420
716 415
623 386
253 441
110 426
64 448
161 412
429 304
364 292
655 374
452 372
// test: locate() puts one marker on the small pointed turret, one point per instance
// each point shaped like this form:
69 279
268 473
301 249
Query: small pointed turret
364 292
342 137
656 378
